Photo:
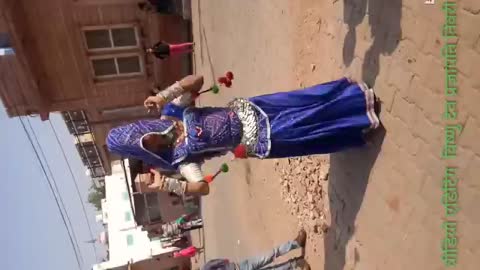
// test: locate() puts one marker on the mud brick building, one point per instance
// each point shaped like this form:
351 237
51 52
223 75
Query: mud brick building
85 55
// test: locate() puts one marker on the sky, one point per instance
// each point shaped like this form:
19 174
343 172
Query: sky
33 235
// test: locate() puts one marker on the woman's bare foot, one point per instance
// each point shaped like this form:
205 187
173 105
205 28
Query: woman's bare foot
351 80
377 106
368 137
303 265
301 238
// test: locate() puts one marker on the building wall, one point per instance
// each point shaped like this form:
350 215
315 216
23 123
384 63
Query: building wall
169 206
52 66
64 73
169 210
162 262
126 241
17 80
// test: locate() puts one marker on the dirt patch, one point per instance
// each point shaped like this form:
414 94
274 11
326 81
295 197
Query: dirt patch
304 188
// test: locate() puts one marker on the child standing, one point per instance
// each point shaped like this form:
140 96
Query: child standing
163 50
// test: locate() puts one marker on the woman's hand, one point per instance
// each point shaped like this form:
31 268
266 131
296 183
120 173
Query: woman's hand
154 103
158 180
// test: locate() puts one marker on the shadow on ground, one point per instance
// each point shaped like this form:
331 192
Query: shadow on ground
348 179
384 20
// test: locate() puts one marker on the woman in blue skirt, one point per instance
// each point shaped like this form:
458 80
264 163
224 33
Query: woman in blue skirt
321 119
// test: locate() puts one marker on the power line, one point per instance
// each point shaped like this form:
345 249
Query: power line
70 231
76 186
52 177
77 255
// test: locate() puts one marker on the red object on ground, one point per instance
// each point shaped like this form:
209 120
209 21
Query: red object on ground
208 178
222 80
229 75
228 84
240 151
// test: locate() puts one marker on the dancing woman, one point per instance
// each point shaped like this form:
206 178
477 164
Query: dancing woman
324 118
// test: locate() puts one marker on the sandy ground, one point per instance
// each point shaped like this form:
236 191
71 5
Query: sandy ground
381 203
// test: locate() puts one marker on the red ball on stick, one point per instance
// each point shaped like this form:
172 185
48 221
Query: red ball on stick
240 151
209 178
222 80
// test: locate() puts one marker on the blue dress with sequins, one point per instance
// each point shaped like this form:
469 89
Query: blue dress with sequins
321 119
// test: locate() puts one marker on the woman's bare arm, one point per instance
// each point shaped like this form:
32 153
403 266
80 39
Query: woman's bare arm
181 93
168 184
192 83
194 175
198 189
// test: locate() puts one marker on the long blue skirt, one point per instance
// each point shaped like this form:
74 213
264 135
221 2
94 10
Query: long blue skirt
321 119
